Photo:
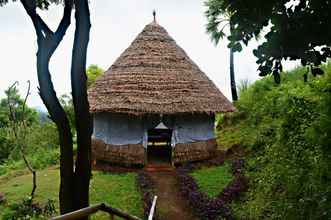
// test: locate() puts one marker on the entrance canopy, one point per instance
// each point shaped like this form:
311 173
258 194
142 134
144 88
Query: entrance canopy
161 126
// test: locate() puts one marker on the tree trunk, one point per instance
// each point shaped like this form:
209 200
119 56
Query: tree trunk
48 41
232 76
74 186
59 117
32 171
81 106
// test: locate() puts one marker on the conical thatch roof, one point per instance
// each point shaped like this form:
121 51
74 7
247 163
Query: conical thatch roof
154 75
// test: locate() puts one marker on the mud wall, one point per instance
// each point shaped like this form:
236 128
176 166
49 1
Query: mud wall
128 155
195 151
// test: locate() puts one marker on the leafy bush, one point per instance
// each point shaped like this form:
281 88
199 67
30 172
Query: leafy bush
40 135
42 148
39 160
27 209
6 144
287 130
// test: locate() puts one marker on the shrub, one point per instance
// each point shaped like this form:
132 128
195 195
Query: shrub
6 144
287 129
39 160
27 209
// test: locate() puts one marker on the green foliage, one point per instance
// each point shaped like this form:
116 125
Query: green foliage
31 115
8 143
243 85
213 180
68 106
118 190
42 136
281 22
42 151
286 128
39 137
26 209
40 159
93 72
217 20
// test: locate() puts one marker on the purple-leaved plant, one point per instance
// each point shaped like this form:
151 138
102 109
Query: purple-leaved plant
212 208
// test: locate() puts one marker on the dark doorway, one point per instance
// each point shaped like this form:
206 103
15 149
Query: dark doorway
159 146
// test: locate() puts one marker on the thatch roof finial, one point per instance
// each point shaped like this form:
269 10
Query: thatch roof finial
154 15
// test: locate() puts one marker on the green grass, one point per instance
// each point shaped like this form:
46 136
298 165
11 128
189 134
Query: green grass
117 190
212 180
233 135
39 160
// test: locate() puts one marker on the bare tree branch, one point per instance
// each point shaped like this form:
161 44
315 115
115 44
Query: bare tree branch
42 29
65 21
24 102
50 39
12 116
19 128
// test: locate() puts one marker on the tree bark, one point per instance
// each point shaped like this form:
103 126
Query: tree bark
47 44
74 186
59 117
32 171
81 106
232 75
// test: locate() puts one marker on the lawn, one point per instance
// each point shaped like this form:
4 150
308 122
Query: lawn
212 180
117 190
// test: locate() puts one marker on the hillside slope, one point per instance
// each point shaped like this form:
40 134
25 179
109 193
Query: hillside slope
285 130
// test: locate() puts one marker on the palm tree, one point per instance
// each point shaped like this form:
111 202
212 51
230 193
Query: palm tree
218 21
232 78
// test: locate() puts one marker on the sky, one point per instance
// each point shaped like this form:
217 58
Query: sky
115 24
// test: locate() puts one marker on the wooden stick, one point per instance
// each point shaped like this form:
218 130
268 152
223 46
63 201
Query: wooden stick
151 212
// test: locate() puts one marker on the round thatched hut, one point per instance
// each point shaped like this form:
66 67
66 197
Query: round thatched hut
154 103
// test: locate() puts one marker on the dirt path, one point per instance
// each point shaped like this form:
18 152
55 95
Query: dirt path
170 204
